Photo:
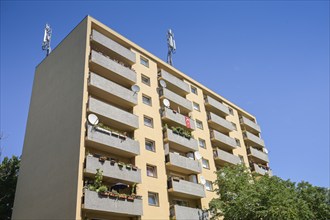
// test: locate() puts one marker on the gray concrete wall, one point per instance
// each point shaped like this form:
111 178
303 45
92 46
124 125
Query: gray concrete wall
191 143
218 105
178 83
112 171
189 188
227 157
94 202
221 121
48 179
184 213
178 118
250 123
113 88
259 154
224 139
179 100
113 113
114 46
185 162
255 139
114 67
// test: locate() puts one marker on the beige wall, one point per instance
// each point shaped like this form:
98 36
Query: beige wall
47 184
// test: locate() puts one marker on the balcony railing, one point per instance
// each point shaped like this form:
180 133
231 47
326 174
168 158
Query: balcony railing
185 188
216 106
112 170
180 143
117 117
219 123
260 170
109 142
173 83
109 68
99 204
222 157
258 156
112 91
222 140
182 164
183 213
177 118
113 46
184 104
253 140
250 125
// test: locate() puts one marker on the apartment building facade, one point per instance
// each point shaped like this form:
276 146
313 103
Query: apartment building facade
157 147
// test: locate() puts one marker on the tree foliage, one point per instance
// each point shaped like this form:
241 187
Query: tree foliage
243 195
8 178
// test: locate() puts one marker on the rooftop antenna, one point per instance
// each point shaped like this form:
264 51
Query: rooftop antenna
47 38
171 46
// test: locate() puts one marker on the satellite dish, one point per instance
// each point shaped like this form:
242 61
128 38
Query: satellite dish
265 150
162 83
166 103
135 88
202 179
198 156
93 119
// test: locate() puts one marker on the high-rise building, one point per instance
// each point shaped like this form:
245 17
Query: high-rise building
157 148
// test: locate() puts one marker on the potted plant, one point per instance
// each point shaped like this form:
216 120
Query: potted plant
113 194
102 158
129 166
175 131
130 197
121 164
181 131
112 161
103 190
122 196
135 168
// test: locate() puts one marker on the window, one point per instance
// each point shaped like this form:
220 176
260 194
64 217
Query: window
199 124
241 158
153 199
205 163
238 143
235 126
144 61
202 143
146 99
193 89
208 185
145 80
196 106
148 121
231 111
151 171
150 145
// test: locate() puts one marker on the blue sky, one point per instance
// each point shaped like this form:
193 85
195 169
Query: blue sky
271 58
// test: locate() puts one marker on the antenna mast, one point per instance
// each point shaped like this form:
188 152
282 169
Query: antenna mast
171 46
47 38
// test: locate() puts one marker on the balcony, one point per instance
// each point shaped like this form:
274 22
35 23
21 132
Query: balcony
95 203
109 142
113 47
111 91
110 69
219 123
182 164
118 118
216 106
176 118
223 158
225 142
258 156
114 172
250 125
180 143
173 83
177 102
253 140
185 189
261 170
183 213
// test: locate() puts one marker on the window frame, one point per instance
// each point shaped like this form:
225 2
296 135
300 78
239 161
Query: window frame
210 184
201 123
156 197
145 60
153 144
198 106
148 97
208 163
201 140
145 77
154 171
192 89
151 119
238 142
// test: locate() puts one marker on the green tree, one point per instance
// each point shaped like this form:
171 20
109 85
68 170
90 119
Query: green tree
243 195
8 179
